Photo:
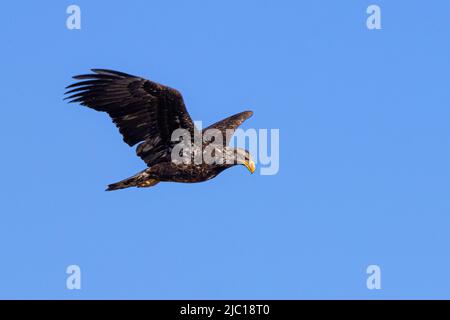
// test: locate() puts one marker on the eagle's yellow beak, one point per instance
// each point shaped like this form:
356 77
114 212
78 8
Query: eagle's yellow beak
250 165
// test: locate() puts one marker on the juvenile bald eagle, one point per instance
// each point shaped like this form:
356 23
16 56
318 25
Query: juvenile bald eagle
148 113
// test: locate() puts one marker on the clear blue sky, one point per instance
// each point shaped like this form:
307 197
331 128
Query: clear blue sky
364 119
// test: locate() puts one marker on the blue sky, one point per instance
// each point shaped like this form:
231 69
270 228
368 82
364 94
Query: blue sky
364 175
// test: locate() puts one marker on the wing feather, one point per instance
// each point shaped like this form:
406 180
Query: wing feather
143 110
228 125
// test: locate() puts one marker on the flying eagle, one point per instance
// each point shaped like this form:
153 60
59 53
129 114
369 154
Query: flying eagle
148 113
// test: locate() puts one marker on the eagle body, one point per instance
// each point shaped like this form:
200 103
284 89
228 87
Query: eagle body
168 172
148 113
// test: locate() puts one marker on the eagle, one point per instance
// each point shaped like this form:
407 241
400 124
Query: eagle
148 113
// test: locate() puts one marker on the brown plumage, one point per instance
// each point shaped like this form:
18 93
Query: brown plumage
148 113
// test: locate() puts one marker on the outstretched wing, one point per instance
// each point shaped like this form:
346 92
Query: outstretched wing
228 125
143 110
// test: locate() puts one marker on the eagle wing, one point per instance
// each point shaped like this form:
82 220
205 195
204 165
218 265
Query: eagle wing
143 110
228 125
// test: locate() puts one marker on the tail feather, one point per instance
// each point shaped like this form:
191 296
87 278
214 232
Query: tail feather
141 180
130 182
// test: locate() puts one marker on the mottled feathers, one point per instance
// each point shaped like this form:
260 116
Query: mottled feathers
147 113
143 110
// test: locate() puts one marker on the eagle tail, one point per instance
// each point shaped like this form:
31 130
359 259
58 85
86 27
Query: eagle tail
120 185
139 180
